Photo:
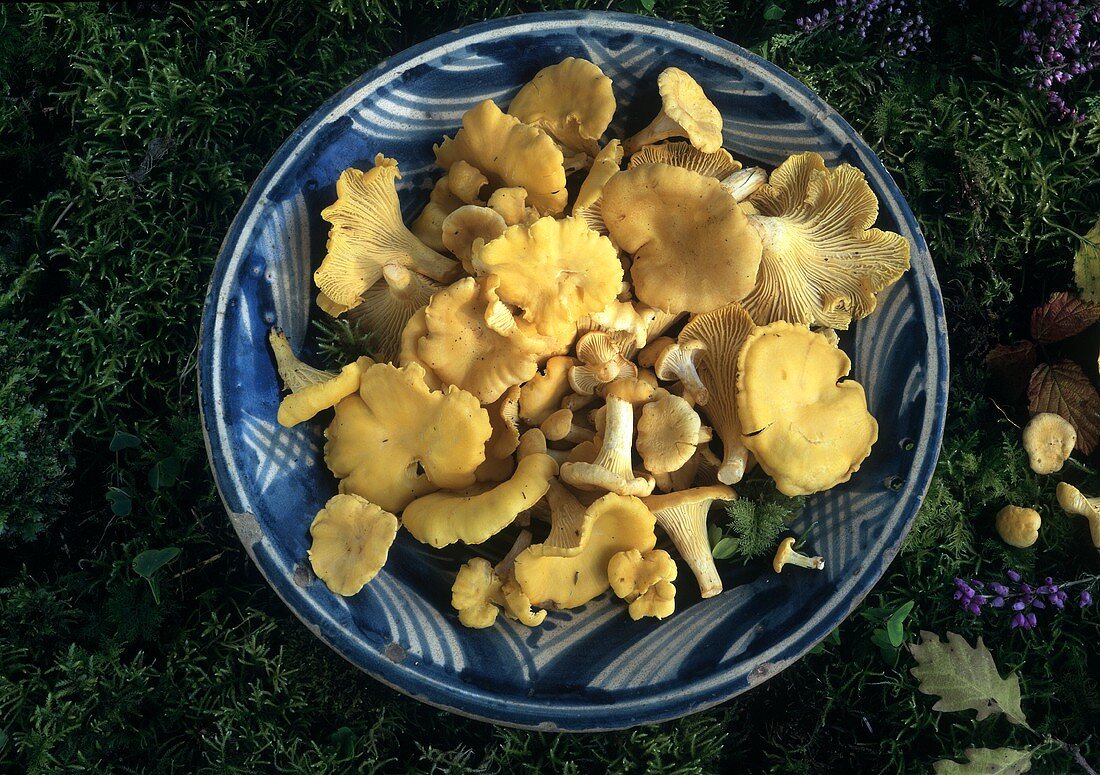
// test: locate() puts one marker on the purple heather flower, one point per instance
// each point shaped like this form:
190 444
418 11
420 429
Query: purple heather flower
1022 598
1084 599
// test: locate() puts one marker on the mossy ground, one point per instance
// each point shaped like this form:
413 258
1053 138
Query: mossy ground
131 133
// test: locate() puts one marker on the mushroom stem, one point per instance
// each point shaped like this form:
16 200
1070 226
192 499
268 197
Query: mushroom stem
296 376
678 361
504 567
614 454
687 527
786 554
660 128
735 458
744 183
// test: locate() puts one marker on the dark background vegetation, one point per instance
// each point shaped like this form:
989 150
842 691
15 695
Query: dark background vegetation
129 135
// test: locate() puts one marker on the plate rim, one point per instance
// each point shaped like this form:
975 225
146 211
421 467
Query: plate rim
473 702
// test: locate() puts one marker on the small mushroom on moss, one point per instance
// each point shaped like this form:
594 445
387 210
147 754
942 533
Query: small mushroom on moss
1049 440
1018 526
1073 501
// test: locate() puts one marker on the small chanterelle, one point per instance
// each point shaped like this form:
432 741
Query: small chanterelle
585 342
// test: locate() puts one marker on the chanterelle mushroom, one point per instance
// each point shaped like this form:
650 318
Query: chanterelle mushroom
807 430
351 540
312 390
556 271
677 362
683 515
388 305
367 233
645 582
511 153
786 554
1049 440
572 101
821 264
685 112
587 204
428 226
475 515
693 248
713 165
1018 526
463 228
668 432
1073 501
542 395
722 333
556 577
398 440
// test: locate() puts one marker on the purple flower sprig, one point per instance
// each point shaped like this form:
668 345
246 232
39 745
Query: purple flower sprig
1061 39
1019 597
899 23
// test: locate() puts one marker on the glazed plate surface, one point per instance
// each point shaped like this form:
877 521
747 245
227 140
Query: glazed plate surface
590 668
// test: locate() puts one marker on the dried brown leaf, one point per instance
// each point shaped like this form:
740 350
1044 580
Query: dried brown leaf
1065 390
1061 317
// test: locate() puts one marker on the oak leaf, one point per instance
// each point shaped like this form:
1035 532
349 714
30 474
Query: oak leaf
1086 266
987 761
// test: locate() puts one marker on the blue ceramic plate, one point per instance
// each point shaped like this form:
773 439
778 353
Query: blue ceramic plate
590 668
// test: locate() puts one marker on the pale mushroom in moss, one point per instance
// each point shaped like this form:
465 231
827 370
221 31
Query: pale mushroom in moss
510 153
722 333
683 515
416 329
693 248
351 539
1049 440
556 271
398 440
612 470
311 390
464 350
367 233
388 305
1018 526
718 164
668 432
469 227
572 101
685 112
476 514
645 582
821 263
807 430
542 395
586 206
1074 502
563 578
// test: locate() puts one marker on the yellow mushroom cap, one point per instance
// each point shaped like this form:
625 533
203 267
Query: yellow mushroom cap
693 248
463 350
566 578
428 226
397 439
416 328
477 514
510 153
367 233
351 541
511 205
1018 526
556 271
465 226
1073 501
570 522
572 101
388 305
466 181
718 164
668 432
821 264
1049 440
313 390
807 431
722 333
475 590
685 112
645 582
542 395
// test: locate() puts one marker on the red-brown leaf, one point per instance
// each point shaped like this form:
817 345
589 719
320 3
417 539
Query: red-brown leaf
1009 367
1064 389
1061 317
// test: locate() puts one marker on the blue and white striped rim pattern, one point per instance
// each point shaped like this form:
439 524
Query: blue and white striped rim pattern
590 668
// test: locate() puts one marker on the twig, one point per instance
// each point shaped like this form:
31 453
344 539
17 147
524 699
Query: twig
209 560
1080 466
1004 414
64 212
1074 753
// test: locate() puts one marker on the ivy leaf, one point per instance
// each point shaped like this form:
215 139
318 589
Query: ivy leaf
1086 266
121 503
1063 316
123 440
1065 390
895 625
987 761
149 562
164 473
965 678
1008 367
774 12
